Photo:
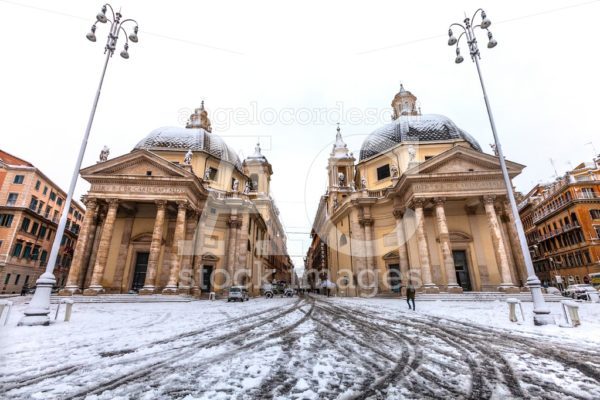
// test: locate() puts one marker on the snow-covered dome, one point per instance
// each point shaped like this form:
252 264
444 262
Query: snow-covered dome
196 136
422 128
184 139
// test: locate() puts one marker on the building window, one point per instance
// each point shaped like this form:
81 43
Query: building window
595 214
6 220
33 204
148 173
26 280
12 199
59 201
383 172
17 249
19 179
35 253
254 182
212 174
43 256
34 228
6 279
597 229
27 251
45 190
37 185
17 278
25 224
52 196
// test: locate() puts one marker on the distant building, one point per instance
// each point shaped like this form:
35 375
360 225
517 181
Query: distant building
422 203
562 225
30 207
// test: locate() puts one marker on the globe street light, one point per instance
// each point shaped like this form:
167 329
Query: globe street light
541 312
37 313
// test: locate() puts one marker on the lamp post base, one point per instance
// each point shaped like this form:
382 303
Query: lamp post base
38 311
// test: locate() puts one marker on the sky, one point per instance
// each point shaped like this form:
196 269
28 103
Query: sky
285 73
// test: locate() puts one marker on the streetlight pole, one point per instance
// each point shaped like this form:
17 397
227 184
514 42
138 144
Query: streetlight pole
37 313
541 313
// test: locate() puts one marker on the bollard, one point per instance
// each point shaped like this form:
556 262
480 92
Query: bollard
212 296
68 309
512 309
3 305
571 311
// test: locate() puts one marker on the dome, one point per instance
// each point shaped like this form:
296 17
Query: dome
184 139
424 128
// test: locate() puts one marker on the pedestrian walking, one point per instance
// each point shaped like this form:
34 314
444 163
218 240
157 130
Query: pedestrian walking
410 296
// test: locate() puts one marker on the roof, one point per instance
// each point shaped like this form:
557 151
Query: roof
194 139
9 159
425 128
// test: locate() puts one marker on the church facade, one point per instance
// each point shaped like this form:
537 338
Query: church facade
422 205
180 214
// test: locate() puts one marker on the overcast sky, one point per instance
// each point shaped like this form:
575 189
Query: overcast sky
284 72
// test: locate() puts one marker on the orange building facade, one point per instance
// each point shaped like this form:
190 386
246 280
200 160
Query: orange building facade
30 207
562 225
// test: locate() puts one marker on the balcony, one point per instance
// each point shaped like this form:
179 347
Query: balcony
563 229
551 208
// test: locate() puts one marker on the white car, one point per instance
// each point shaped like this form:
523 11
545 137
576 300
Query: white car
579 292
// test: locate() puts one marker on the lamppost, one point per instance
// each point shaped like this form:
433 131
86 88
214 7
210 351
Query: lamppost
541 312
37 313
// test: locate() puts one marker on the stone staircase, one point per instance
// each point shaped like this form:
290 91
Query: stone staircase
124 298
476 296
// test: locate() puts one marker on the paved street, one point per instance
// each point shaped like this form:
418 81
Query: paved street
304 348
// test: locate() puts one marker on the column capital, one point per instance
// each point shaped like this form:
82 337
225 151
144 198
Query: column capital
489 199
418 202
365 221
182 205
90 202
399 212
161 204
112 203
439 201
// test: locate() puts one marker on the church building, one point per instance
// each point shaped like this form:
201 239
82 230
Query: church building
179 214
423 204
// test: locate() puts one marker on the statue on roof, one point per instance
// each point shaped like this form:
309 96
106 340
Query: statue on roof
187 160
104 154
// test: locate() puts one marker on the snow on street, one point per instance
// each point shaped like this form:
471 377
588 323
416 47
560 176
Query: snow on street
308 348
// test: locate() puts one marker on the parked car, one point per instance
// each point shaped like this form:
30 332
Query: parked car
579 291
238 293
267 290
289 292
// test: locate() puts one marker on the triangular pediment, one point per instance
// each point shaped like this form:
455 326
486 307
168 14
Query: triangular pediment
461 159
137 163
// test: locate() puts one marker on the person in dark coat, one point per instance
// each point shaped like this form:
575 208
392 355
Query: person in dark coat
410 296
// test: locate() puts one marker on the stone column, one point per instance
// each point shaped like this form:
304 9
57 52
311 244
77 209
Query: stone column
499 246
428 285
234 225
123 251
103 249
155 246
198 253
75 272
402 249
176 251
515 245
242 243
367 225
186 277
447 257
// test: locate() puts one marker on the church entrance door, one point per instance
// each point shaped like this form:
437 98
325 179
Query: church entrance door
139 273
462 270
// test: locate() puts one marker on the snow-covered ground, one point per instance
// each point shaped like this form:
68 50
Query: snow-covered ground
309 348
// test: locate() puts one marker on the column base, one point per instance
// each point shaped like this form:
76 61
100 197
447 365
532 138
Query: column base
69 291
145 291
184 291
170 290
508 289
455 289
196 292
431 289
93 290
